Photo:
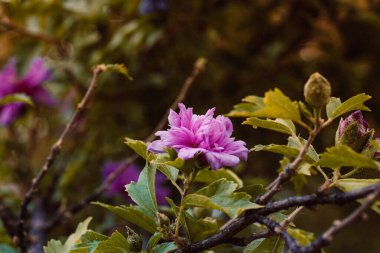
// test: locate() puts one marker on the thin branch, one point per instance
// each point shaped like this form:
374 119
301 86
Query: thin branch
250 216
20 237
7 218
291 169
58 44
199 66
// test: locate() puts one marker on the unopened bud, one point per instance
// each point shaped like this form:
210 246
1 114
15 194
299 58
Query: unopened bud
317 90
354 132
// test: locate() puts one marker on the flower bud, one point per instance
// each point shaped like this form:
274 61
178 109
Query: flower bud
317 90
163 220
354 132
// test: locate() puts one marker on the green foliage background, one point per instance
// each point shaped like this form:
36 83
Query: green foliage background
250 46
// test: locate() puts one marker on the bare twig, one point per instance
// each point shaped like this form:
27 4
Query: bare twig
20 237
198 68
58 44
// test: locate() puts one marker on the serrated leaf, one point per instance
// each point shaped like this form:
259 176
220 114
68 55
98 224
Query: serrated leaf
55 246
298 143
332 105
139 147
344 156
143 192
134 215
164 247
269 245
277 105
278 125
116 243
200 229
351 104
208 176
220 196
14 98
117 68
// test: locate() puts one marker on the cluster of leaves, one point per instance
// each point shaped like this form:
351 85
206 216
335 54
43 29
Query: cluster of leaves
219 196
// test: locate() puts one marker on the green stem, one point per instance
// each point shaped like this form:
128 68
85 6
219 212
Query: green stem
352 172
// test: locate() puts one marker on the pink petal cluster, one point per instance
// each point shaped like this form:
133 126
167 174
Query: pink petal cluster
191 134
30 84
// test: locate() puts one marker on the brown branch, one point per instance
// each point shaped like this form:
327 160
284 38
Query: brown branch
250 216
71 210
20 237
58 44
7 218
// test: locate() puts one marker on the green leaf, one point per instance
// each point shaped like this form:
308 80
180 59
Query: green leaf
269 245
298 142
303 237
352 184
344 156
304 110
88 242
154 239
55 246
117 68
133 214
183 221
351 104
278 125
332 105
116 243
277 105
200 229
208 176
18 97
139 147
220 195
164 247
254 103
143 191
253 190
4 248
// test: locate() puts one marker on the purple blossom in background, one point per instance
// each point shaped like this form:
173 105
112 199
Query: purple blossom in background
131 173
30 84
191 134
149 6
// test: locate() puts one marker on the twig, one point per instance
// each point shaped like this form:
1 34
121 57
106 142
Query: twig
59 45
7 218
250 216
198 68
20 237
291 169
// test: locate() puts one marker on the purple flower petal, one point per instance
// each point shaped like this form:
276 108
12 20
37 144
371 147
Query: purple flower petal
37 73
190 134
9 112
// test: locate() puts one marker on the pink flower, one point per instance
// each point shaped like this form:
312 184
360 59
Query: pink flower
131 173
30 84
191 134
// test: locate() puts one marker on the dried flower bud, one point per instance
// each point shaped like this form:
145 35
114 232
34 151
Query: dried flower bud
134 240
317 90
163 220
354 132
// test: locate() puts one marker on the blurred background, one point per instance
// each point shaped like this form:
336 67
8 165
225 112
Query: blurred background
250 45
